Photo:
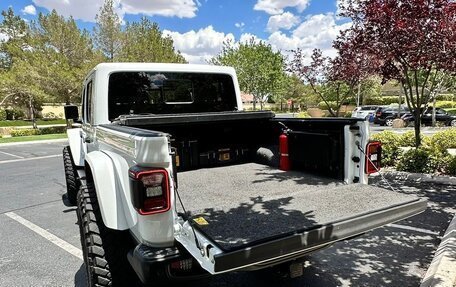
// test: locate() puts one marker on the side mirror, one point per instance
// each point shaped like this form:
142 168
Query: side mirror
71 113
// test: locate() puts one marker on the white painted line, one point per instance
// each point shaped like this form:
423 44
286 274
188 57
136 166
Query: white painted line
30 158
10 154
47 235
425 231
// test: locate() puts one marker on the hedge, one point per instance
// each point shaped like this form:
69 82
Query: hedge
383 101
445 104
431 157
40 131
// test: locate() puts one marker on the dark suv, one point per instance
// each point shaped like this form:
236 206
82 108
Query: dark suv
426 119
386 115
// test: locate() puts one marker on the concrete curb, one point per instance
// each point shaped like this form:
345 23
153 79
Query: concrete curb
418 177
33 142
442 271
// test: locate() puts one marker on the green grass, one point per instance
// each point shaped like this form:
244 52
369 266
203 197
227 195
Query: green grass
33 138
20 123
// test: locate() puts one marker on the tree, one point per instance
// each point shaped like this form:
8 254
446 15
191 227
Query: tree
260 70
297 92
19 73
67 55
144 42
107 32
411 41
332 80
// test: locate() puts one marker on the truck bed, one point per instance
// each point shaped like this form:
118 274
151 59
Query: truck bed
249 204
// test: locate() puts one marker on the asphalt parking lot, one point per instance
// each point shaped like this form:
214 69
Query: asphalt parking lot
39 238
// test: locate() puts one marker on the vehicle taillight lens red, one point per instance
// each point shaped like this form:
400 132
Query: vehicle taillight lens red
150 190
373 157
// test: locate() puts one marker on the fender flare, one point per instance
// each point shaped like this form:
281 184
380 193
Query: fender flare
76 147
110 176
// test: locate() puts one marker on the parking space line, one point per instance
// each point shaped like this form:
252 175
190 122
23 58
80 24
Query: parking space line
46 235
29 158
411 228
10 154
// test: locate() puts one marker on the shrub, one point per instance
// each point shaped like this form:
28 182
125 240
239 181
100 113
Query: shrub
445 104
348 115
446 97
451 168
383 101
2 115
390 147
14 114
322 105
444 140
24 132
407 139
303 115
423 160
53 130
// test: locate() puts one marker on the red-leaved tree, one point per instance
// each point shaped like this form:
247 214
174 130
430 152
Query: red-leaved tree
332 79
412 41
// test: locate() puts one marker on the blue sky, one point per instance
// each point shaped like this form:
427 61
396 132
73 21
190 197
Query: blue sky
199 27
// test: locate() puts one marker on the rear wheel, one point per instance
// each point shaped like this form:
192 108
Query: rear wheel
453 123
105 250
72 182
389 122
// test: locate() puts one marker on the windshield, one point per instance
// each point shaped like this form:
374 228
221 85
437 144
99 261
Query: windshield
169 93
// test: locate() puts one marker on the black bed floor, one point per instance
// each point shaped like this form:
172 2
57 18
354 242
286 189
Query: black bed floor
249 203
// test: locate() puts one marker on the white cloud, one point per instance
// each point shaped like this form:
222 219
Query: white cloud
87 9
169 8
276 6
199 46
282 21
317 31
247 37
239 25
30 10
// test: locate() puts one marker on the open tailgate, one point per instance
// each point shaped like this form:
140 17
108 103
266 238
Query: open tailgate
253 223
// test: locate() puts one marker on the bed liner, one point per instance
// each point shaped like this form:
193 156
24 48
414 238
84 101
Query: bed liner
250 204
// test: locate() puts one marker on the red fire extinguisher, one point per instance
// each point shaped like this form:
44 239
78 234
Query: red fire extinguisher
284 160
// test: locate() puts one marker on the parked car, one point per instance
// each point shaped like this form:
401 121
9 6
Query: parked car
426 119
364 112
386 115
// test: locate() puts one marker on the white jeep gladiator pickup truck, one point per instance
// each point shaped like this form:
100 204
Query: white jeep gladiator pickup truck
172 179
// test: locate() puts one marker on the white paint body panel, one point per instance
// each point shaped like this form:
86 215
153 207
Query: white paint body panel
127 150
109 191
76 146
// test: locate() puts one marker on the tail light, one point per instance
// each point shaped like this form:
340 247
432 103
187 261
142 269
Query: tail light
150 190
373 157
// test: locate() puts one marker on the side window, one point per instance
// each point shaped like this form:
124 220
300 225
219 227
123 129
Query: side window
83 112
88 103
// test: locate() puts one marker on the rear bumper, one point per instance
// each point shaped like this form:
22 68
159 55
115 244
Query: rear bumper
152 265
149 262
307 241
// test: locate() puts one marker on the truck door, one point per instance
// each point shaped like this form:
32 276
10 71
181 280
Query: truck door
87 133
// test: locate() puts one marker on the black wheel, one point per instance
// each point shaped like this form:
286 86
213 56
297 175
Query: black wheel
105 250
72 182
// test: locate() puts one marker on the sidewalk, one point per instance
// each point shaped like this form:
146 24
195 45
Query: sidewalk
442 271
